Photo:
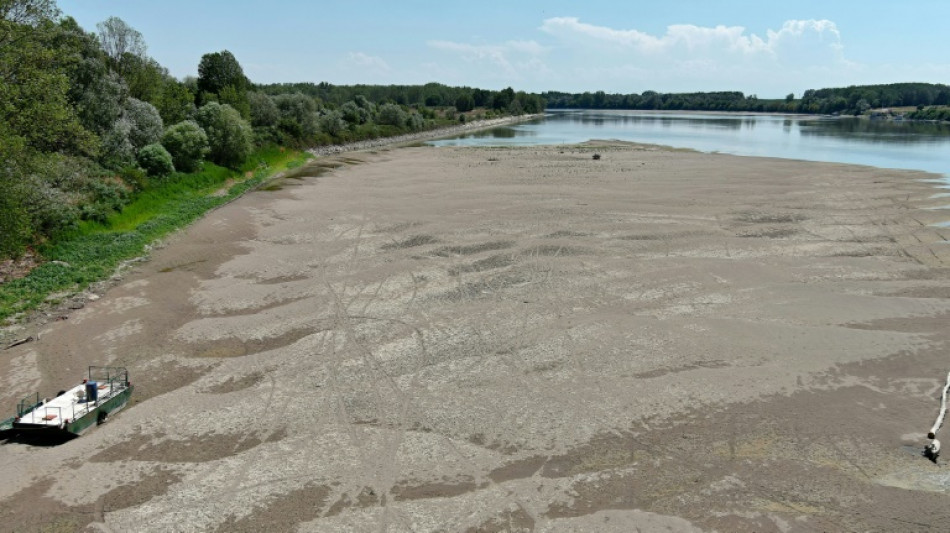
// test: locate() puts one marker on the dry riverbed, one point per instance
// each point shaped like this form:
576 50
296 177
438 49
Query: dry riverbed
506 339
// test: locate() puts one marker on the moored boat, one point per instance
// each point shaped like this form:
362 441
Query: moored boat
73 411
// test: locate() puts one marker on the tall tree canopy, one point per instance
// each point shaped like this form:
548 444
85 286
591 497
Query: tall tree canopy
218 70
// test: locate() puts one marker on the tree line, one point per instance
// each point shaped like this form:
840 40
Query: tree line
88 120
854 100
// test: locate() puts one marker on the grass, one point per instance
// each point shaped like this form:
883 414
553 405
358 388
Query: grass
94 251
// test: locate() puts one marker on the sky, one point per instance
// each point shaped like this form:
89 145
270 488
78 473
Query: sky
769 49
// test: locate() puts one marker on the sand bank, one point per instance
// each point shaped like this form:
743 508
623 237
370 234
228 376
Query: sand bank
495 339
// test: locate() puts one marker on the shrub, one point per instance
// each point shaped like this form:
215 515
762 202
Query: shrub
187 143
145 123
156 160
298 115
354 114
332 122
14 220
134 177
50 209
392 115
117 150
264 111
229 136
101 102
415 122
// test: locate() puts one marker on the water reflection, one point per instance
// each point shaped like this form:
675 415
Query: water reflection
889 144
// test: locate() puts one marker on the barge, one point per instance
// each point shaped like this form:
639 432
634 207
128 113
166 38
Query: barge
72 412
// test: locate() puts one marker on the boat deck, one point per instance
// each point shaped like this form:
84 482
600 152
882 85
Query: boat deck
71 405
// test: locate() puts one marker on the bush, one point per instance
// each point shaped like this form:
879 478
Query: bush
156 160
134 177
415 122
229 136
145 123
264 111
392 115
187 143
14 220
50 209
332 122
354 114
117 150
298 115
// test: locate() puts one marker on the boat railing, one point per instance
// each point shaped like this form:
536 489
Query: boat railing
28 403
113 375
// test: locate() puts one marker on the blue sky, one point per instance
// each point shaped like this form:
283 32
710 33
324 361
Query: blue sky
764 48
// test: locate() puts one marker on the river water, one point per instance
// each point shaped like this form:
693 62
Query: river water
886 144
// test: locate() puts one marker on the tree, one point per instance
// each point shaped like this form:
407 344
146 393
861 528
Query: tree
392 115
354 114
236 99
119 39
101 103
34 85
219 70
187 143
264 111
298 115
176 102
117 149
156 160
503 98
229 136
465 102
145 124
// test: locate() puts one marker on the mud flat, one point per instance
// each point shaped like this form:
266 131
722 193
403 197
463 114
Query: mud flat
487 339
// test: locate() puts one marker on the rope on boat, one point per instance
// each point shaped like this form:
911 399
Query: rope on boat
932 450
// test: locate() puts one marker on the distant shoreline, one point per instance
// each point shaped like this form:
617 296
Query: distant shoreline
420 136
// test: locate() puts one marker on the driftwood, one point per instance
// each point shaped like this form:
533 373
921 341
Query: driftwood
19 342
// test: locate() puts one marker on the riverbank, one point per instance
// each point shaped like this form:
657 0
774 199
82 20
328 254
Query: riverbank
422 135
428 339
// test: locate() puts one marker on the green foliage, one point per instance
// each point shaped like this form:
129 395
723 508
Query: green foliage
117 149
134 177
34 81
144 76
236 99
15 227
263 110
145 123
392 115
229 136
332 122
101 102
187 143
931 113
354 113
176 103
156 160
465 102
298 115
95 250
854 99
219 70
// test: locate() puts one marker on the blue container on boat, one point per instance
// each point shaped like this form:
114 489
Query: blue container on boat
92 391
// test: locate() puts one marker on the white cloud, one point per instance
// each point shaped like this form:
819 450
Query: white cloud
512 57
688 39
374 63
687 57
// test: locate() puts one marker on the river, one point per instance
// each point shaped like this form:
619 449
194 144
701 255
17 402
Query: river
885 144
